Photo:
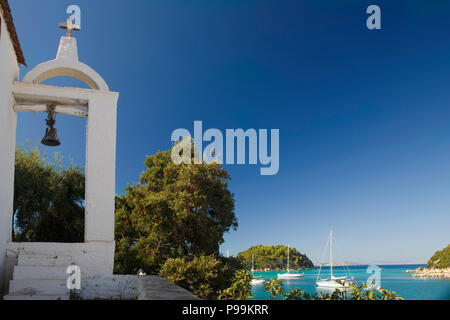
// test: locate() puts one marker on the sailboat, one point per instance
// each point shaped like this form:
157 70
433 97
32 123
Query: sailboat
332 282
256 279
288 274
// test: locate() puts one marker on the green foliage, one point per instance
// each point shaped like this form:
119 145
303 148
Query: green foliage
174 211
275 257
241 287
48 199
352 292
440 259
209 277
172 222
276 289
199 275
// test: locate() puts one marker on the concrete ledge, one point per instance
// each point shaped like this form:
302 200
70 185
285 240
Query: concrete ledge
41 271
36 297
157 288
116 287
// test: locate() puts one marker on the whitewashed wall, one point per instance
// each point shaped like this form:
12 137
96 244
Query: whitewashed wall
93 258
9 72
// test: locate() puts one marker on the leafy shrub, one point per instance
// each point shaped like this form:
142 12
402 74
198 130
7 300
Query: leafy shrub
208 277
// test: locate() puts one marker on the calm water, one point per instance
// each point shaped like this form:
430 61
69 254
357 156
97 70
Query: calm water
392 278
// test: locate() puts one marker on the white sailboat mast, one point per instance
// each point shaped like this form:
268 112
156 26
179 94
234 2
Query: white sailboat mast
331 253
252 264
288 259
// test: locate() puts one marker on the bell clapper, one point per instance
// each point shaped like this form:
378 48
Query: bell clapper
51 138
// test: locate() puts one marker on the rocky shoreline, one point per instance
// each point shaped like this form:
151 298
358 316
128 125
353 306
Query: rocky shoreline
430 273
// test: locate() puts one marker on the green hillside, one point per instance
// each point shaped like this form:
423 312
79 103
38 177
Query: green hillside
440 259
275 257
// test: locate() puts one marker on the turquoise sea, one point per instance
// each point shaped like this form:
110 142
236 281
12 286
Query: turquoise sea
393 278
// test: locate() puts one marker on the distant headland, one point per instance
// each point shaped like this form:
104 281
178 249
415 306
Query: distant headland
437 267
274 258
339 264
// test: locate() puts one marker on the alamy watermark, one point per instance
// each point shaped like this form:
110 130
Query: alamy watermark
74 280
75 14
235 145
373 22
374 280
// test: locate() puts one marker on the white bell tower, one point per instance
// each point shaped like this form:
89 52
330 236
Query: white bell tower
99 105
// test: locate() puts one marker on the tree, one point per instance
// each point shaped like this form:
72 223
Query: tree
48 198
174 211
275 257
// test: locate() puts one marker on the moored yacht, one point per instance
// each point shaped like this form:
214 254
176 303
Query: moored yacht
289 274
332 282
256 279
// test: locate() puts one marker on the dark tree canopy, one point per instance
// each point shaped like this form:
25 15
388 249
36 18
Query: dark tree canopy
48 199
209 277
174 211
275 257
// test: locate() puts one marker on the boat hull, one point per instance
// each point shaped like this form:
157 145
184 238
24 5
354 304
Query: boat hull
290 275
332 284
258 281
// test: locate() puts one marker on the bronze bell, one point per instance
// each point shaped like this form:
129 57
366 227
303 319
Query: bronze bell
51 138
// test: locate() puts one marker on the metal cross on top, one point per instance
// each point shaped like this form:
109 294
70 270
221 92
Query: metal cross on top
69 26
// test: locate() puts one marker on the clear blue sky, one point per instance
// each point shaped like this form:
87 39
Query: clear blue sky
364 116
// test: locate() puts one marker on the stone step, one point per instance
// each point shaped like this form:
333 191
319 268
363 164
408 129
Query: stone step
40 273
35 297
42 260
38 287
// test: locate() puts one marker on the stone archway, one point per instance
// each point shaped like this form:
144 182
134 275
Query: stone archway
66 64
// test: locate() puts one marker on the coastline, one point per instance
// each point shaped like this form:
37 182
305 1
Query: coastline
393 277
443 273
278 270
